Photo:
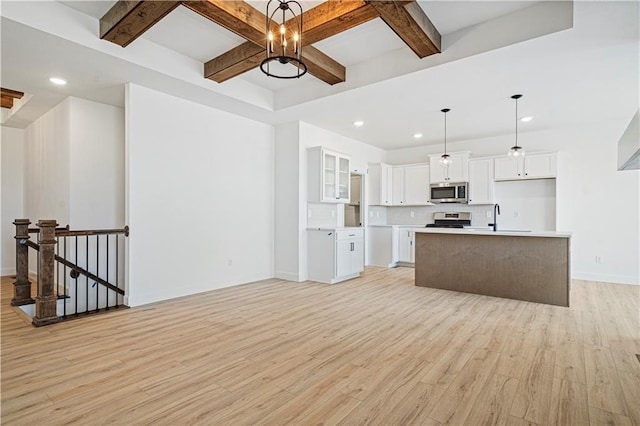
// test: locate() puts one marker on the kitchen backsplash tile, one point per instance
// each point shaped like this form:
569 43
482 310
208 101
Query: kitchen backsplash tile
422 215
324 214
377 215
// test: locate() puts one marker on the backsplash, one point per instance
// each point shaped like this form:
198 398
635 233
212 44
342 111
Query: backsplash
422 215
324 215
377 215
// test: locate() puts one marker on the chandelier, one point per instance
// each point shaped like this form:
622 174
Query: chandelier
285 47
516 151
445 159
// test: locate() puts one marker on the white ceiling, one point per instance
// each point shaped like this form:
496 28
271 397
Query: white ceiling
586 73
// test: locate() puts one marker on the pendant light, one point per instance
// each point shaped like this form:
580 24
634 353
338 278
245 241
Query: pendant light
516 150
445 159
285 47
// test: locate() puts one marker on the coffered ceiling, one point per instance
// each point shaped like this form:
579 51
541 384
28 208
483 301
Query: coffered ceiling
552 52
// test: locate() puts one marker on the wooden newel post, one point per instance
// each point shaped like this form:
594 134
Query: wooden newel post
22 285
46 299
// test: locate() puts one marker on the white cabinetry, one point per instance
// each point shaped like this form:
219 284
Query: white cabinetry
328 176
481 181
335 255
458 170
380 184
406 249
397 192
531 166
416 185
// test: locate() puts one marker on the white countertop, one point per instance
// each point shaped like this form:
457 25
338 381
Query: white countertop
334 228
482 231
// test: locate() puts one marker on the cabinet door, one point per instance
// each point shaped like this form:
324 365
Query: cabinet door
540 166
344 179
397 192
457 171
404 249
481 182
343 258
507 168
412 247
329 176
387 172
437 173
357 256
416 185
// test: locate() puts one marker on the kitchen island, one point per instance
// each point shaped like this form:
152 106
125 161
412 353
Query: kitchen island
531 266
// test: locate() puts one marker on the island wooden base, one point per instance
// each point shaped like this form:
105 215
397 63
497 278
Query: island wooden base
534 269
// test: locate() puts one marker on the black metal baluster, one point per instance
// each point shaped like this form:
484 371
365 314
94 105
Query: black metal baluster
117 263
76 277
57 269
108 264
64 280
87 278
97 272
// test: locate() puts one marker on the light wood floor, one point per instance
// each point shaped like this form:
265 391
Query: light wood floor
376 350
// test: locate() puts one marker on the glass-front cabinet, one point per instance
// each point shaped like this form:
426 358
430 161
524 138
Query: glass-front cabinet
328 176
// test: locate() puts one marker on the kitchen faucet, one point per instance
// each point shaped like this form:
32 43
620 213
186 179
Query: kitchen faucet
496 209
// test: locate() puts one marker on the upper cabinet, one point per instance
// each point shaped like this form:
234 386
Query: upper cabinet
531 166
414 190
328 176
380 184
458 170
481 181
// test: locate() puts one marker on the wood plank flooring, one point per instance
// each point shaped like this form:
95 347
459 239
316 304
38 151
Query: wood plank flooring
374 350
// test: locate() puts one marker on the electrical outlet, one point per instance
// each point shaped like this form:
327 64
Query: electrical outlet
230 262
377 214
488 214
515 214
333 213
370 214
309 213
412 213
598 260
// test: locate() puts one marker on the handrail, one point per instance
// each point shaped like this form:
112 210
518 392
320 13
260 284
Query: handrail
37 230
68 233
77 269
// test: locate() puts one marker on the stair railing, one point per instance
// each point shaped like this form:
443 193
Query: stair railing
85 254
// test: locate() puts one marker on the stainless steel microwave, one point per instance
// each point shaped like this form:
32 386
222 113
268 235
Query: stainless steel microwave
450 192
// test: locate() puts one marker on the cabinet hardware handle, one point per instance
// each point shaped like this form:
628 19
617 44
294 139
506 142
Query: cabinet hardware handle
352 235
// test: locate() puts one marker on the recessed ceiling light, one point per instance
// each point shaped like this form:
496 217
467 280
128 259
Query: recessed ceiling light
57 80
525 119
358 123
417 135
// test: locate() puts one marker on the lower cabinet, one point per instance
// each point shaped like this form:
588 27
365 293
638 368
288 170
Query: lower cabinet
335 255
406 246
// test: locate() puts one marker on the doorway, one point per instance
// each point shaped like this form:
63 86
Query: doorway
353 211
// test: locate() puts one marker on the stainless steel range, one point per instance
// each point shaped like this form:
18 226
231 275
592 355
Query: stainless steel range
450 220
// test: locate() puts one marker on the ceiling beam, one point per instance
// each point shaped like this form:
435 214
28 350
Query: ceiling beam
411 24
323 21
249 23
128 20
7 96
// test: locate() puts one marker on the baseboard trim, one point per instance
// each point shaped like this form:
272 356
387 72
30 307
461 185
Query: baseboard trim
615 279
289 276
7 271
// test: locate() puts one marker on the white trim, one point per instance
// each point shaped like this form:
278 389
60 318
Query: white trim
615 279
289 276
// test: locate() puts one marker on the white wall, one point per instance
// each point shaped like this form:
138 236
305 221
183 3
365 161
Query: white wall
12 170
597 203
200 194
96 174
47 165
527 204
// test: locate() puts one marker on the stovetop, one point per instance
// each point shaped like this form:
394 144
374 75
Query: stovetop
444 225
